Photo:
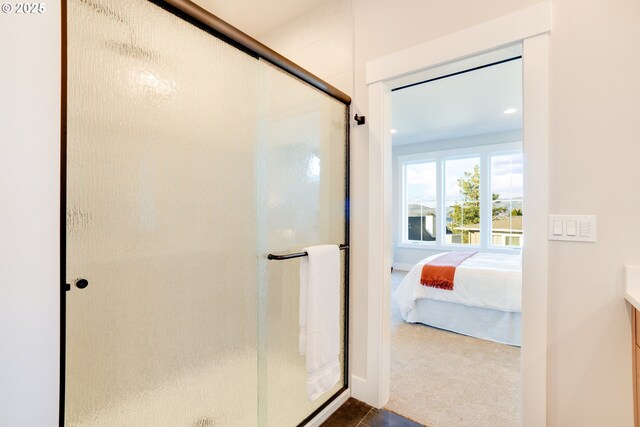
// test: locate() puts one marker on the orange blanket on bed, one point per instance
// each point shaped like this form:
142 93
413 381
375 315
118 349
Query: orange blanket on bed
439 273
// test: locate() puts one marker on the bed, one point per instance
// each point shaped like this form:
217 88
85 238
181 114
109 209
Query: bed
486 301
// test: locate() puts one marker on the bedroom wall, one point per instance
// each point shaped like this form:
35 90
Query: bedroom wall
29 187
404 258
594 150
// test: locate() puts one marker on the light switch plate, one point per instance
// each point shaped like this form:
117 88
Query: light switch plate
575 228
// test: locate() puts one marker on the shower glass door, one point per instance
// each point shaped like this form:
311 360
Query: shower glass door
301 202
161 221
188 161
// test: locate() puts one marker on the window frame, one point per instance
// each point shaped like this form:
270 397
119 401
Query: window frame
484 153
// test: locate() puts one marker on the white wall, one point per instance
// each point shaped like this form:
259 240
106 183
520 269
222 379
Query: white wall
403 257
29 190
594 152
594 103
320 41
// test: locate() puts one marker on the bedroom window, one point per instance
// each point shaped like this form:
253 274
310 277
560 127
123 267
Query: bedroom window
462 198
420 205
469 197
506 192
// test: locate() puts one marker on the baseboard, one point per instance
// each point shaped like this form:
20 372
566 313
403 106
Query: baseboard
402 267
330 409
358 388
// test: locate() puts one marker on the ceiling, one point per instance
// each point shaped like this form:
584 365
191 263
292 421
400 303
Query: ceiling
467 104
257 17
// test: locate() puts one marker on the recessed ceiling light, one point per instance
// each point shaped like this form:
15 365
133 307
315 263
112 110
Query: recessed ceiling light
393 131
510 110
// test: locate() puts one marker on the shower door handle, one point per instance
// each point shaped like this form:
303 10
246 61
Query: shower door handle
80 284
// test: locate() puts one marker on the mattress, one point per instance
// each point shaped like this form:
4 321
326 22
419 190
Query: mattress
485 280
486 301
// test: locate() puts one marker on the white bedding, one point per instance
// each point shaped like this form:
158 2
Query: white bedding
485 280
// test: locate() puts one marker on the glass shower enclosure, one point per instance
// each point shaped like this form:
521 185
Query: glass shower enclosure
190 158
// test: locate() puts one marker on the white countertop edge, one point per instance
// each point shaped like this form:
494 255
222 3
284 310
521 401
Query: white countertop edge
633 299
632 285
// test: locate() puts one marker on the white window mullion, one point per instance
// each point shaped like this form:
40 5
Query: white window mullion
486 209
440 209
404 221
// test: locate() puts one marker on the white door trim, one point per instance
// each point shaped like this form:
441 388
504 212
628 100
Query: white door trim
530 27
490 35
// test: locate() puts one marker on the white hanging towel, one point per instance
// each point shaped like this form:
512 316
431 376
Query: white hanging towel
320 317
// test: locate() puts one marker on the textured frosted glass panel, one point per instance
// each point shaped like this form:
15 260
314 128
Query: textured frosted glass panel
161 221
301 197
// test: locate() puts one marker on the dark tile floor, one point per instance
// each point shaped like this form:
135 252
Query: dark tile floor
355 413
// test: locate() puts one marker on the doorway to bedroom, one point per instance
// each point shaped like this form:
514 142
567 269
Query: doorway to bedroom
456 281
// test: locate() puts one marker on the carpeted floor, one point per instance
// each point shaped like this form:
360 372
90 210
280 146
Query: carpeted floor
443 379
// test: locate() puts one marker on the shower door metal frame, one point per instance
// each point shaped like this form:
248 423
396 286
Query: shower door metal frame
201 18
